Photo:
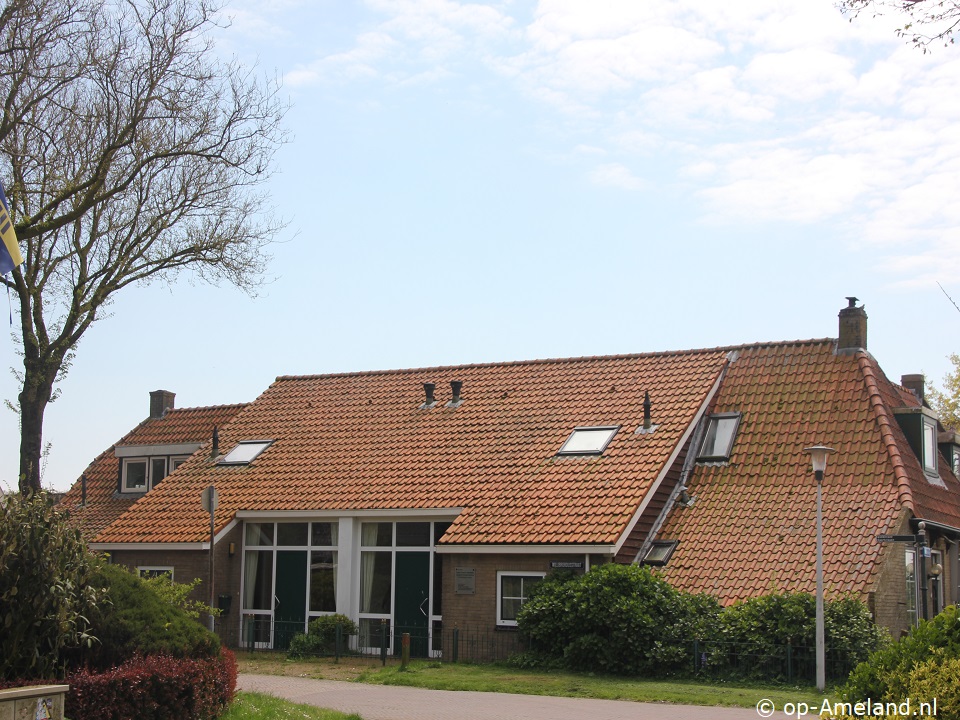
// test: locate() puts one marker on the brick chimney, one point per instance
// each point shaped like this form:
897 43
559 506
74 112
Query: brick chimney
914 383
160 402
853 329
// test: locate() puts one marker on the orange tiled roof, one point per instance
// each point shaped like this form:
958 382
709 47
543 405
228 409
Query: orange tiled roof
752 528
104 503
360 441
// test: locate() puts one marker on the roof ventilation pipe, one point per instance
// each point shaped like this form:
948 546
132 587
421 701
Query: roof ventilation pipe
215 445
456 386
646 410
428 389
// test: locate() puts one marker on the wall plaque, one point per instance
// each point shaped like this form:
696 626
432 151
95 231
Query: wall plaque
466 581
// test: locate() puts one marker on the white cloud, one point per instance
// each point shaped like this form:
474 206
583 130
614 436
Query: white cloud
617 176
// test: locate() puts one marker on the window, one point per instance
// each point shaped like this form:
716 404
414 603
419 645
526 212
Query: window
513 589
659 552
245 452
588 440
929 446
718 441
910 566
154 571
140 473
956 461
135 475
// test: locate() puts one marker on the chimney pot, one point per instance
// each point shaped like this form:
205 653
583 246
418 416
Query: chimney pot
428 389
456 386
853 329
160 402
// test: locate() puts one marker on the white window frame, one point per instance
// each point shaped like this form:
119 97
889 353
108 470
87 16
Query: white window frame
176 461
146 475
154 570
929 442
912 585
501 574
569 447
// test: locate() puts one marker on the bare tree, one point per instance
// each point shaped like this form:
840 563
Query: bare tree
927 21
133 152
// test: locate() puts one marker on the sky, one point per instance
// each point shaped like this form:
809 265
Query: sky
494 181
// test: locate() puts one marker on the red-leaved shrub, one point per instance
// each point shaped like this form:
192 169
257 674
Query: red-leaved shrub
154 688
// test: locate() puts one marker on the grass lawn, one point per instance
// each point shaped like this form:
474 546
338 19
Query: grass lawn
497 678
255 706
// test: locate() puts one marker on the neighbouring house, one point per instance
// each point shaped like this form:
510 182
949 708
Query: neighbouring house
436 498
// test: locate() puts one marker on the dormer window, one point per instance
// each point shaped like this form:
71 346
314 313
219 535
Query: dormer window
930 446
139 474
589 440
245 452
718 440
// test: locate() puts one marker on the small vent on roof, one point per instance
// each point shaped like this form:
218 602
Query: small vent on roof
431 401
455 388
648 426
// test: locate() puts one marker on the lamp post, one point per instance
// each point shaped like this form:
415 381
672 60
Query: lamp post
818 454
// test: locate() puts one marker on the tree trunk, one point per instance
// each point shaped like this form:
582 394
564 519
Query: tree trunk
34 398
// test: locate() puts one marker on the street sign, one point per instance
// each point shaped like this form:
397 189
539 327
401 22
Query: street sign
896 538
209 498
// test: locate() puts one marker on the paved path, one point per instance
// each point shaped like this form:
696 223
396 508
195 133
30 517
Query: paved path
384 702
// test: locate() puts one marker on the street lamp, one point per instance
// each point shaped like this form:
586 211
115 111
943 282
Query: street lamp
818 454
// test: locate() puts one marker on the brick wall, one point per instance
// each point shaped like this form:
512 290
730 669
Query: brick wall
190 564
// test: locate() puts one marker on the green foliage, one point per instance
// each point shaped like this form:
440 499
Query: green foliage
141 622
46 597
178 595
936 677
886 673
321 636
615 618
624 619
947 402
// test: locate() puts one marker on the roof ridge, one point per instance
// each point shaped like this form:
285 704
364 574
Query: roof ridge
904 490
550 361
226 406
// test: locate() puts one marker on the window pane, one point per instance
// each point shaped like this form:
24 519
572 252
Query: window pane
376 534
258 580
439 528
511 586
245 452
158 470
413 534
323 581
373 631
291 534
375 587
259 534
719 437
929 446
529 583
324 534
136 475
588 441
509 608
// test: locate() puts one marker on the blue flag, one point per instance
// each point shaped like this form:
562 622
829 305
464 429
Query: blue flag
10 255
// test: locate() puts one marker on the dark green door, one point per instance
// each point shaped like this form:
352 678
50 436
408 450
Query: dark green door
411 602
290 603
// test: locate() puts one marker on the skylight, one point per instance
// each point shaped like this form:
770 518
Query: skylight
718 441
660 552
246 451
588 440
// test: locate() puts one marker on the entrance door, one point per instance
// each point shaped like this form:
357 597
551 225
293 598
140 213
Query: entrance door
290 603
411 602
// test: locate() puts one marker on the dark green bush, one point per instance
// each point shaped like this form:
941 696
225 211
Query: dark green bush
46 597
886 673
321 636
615 618
141 622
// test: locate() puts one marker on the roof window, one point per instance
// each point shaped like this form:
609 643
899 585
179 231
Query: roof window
245 452
589 440
659 552
718 441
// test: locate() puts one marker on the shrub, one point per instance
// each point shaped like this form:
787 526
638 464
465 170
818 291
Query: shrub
886 673
614 618
321 636
46 597
155 688
140 622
